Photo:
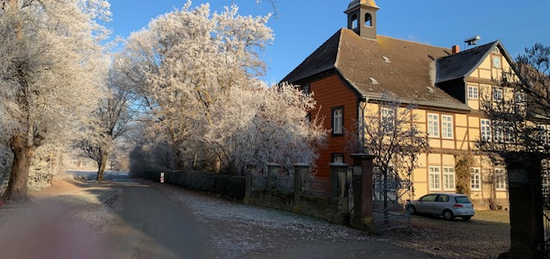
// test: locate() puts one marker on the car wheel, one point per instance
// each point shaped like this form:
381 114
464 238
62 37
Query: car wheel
411 209
466 218
448 215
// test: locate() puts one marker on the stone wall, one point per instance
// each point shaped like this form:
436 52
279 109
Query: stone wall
230 186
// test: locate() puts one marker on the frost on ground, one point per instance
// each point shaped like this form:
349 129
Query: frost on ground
240 230
63 221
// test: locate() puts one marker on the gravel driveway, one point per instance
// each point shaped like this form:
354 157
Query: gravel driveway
486 235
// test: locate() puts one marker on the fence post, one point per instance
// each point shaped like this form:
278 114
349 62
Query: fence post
250 169
300 173
526 203
362 193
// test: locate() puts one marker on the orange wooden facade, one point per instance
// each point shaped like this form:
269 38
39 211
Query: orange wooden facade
330 92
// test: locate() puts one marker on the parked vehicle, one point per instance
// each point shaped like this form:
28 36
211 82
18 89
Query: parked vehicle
448 205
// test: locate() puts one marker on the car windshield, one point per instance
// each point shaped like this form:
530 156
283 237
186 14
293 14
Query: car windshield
462 199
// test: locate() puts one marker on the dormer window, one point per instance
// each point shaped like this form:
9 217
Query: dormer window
473 92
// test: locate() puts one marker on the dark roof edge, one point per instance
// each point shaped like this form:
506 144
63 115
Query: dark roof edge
336 34
378 97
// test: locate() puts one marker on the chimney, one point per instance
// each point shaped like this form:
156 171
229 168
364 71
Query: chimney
456 49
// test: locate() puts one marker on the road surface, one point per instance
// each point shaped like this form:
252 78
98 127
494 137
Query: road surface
162 221
152 226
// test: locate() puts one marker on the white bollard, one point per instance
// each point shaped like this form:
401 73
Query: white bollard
161 177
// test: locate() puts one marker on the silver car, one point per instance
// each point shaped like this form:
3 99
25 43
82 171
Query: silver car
448 205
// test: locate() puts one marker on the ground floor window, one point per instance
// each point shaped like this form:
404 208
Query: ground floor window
500 179
476 178
448 178
337 157
435 178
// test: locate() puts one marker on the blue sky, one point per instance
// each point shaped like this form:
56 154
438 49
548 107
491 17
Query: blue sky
303 25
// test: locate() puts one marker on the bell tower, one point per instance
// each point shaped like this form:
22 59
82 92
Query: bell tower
362 18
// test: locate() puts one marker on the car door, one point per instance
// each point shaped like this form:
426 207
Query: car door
441 203
426 203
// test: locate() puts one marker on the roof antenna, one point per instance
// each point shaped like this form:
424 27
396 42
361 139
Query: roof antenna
472 41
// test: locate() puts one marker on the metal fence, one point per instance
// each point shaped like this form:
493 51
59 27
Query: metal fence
390 213
545 208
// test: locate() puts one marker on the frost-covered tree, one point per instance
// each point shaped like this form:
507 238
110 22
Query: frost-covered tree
198 74
52 65
261 125
109 121
185 62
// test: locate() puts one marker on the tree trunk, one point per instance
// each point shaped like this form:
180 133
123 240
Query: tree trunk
101 166
385 194
19 175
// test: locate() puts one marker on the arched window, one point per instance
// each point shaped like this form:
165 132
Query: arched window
368 20
354 22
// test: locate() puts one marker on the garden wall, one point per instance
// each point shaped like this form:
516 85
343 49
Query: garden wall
230 186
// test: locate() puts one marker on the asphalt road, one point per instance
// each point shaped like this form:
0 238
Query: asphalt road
151 226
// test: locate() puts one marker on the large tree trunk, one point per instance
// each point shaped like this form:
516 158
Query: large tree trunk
19 175
101 166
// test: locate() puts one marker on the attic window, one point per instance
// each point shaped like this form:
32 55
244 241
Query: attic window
430 89
496 50
386 59
373 81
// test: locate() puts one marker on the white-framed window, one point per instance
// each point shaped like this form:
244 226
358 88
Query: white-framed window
475 182
485 129
497 94
338 121
499 132
543 133
473 92
500 179
446 126
448 178
337 158
433 125
387 116
504 131
519 97
435 178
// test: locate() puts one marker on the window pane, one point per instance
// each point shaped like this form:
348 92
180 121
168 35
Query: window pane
337 123
433 125
448 178
435 178
472 92
447 126
476 179
485 130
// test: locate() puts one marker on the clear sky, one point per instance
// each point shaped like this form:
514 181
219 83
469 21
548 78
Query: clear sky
303 25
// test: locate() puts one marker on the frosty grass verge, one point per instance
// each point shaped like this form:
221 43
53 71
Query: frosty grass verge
206 207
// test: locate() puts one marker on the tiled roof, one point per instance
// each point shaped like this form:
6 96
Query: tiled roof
406 69
463 63
320 60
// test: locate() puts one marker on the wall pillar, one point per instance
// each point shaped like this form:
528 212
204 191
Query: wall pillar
363 217
526 219
250 170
